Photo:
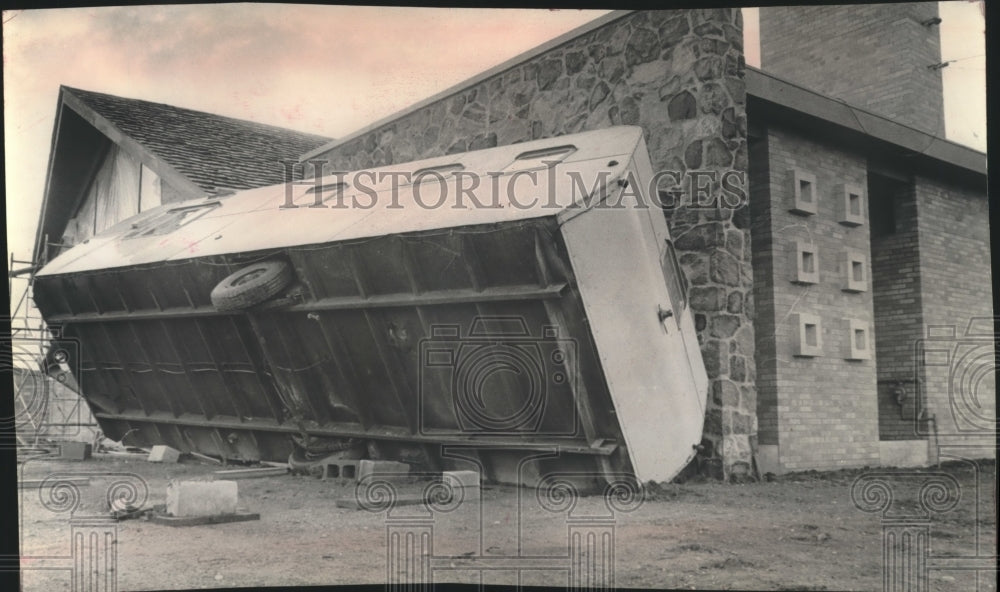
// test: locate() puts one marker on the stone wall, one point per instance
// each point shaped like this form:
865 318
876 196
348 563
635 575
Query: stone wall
679 75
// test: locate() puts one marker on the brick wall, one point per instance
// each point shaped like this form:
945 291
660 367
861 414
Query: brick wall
898 309
763 291
821 411
956 285
679 75
874 56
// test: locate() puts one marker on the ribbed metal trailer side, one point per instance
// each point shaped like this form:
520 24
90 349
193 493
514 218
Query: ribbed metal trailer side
527 341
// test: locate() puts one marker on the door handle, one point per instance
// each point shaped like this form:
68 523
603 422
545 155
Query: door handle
663 313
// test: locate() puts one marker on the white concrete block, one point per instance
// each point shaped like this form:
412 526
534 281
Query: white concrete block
163 454
75 450
383 469
201 498
461 478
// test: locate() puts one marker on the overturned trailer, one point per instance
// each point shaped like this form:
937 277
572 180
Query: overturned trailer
519 308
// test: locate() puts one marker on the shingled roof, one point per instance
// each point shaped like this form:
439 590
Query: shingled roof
210 150
193 152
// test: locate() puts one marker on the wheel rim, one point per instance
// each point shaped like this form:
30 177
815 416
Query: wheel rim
248 276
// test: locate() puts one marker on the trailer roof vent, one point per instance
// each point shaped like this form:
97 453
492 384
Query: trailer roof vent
436 173
541 158
171 220
326 188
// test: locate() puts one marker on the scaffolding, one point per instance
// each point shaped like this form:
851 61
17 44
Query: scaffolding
47 402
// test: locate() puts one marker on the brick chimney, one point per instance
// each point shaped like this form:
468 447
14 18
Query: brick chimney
874 56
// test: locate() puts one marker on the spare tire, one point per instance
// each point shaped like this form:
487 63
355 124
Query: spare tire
251 285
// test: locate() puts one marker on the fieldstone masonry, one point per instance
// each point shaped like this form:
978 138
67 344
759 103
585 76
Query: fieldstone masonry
679 75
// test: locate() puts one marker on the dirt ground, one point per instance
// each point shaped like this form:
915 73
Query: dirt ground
798 532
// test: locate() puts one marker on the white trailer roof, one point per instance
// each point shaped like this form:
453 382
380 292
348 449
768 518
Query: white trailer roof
495 185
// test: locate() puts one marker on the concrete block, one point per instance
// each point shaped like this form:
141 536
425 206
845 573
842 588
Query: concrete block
201 498
384 469
164 454
468 479
75 450
340 469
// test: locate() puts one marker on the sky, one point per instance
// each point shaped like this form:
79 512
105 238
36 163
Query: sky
329 70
